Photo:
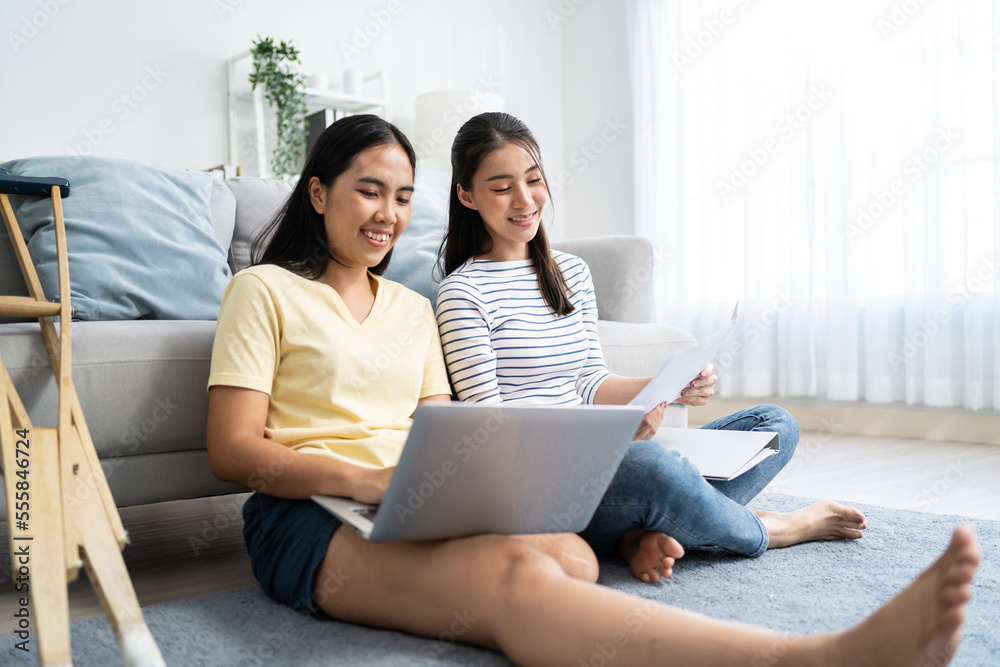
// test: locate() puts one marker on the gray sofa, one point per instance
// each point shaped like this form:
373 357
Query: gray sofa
142 383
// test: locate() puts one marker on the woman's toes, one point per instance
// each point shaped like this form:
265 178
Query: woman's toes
670 547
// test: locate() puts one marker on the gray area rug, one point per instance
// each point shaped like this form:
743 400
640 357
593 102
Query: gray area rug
802 589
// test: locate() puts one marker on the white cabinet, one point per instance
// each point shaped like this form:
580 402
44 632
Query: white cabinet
238 70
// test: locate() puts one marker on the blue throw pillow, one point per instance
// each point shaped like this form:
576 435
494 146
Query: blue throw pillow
139 237
415 254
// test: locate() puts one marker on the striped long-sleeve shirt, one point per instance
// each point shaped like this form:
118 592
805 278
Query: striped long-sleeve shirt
502 343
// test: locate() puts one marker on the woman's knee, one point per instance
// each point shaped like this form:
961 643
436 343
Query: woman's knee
650 468
776 418
519 566
575 557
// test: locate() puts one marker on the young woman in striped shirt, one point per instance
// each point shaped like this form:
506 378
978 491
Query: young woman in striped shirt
518 324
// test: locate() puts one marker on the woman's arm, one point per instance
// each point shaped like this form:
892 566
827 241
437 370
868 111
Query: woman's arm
238 452
465 340
619 390
439 398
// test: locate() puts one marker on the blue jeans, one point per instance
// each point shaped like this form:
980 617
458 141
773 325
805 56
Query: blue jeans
656 489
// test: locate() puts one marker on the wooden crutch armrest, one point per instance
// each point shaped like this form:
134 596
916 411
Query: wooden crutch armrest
31 186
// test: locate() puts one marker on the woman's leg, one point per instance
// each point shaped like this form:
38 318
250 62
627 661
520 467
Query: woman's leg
824 520
487 590
769 418
655 493
655 489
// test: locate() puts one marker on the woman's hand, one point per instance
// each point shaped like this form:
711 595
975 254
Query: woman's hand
700 390
370 484
651 422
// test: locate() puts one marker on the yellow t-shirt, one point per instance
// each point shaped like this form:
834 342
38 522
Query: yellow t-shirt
339 388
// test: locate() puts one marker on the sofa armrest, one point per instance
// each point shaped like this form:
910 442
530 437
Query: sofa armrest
638 350
622 269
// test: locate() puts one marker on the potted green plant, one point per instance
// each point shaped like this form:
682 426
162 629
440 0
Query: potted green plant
276 68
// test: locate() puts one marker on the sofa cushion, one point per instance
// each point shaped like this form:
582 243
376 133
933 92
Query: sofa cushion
258 200
139 236
622 267
223 208
141 383
638 350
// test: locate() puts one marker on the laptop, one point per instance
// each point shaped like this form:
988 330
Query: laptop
468 469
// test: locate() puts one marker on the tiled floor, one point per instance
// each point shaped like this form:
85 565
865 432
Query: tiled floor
182 549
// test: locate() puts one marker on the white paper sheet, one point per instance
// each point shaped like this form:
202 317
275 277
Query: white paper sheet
681 368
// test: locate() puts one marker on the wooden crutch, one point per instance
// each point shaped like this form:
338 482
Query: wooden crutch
65 517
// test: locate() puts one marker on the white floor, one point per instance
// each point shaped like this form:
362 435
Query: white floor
183 549
907 474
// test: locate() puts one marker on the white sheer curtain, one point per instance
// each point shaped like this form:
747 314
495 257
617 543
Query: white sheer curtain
833 166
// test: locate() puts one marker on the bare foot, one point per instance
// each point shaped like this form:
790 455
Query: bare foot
649 554
922 624
825 520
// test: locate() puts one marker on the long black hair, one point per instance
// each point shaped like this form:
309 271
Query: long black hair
467 234
295 238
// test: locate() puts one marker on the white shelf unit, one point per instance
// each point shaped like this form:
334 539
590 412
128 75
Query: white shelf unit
238 69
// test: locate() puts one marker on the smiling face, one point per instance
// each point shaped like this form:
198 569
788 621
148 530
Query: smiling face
509 193
368 206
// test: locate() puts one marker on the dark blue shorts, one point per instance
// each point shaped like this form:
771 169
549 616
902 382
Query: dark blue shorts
287 541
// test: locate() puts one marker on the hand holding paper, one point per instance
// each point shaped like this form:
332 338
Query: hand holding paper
682 367
700 390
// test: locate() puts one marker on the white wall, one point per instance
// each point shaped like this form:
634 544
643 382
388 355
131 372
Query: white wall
147 81
597 115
